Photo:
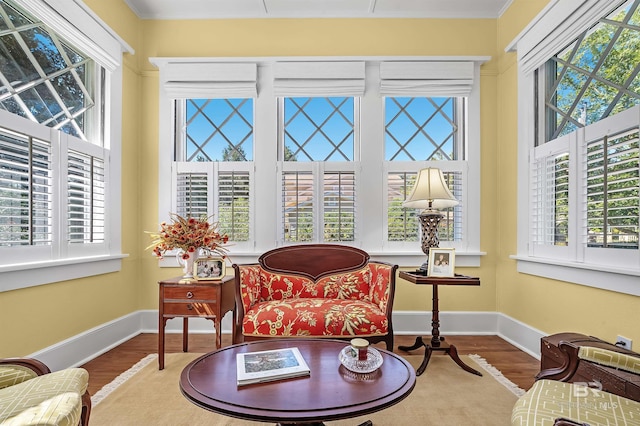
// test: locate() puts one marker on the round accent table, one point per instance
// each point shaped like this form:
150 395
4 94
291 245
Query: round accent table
331 392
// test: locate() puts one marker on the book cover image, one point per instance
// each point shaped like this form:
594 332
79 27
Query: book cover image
272 360
263 366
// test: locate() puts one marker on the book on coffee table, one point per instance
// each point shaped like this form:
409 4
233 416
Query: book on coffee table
267 366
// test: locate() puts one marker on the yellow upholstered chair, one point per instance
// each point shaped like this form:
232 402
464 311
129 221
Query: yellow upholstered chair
553 401
30 394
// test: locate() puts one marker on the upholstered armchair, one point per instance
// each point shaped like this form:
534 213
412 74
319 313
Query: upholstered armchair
30 394
553 401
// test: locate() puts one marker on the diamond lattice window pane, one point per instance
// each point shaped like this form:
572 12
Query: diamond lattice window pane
319 129
219 130
30 55
595 76
419 129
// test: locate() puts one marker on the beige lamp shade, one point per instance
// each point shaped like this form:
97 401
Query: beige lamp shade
430 192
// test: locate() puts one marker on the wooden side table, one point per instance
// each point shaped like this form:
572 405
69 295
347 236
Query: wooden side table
204 299
437 342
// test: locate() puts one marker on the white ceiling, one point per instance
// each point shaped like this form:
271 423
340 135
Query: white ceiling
219 9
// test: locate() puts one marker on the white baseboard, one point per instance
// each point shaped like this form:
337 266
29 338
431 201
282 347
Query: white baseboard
83 347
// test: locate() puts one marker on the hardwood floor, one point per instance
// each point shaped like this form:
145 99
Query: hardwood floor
517 366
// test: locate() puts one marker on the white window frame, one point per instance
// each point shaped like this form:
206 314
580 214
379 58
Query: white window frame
83 29
557 25
371 215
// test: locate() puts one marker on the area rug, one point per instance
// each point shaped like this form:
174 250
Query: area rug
444 394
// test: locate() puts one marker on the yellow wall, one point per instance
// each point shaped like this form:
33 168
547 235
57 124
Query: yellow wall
38 317
548 305
51 313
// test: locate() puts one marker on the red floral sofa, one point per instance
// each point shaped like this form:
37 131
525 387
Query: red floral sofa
315 290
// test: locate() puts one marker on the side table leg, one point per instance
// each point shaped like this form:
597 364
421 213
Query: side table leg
417 344
427 356
216 324
453 353
162 323
185 334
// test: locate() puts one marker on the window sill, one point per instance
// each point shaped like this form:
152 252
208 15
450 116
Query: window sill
403 259
17 276
606 278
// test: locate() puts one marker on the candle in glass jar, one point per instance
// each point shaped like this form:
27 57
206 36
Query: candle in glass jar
360 345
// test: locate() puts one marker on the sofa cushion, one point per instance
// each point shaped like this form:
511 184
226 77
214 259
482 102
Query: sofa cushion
61 410
18 398
314 317
548 400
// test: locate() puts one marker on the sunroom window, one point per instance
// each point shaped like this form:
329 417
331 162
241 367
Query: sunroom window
318 176
420 131
56 163
595 77
310 158
214 149
580 163
426 122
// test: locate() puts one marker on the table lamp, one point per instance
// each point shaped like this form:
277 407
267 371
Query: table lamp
431 194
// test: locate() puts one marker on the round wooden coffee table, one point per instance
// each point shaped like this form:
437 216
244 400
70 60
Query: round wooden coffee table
331 392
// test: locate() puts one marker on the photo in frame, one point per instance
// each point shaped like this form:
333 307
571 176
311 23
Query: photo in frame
441 262
209 268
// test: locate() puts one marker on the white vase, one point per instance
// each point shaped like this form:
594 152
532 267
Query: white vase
187 264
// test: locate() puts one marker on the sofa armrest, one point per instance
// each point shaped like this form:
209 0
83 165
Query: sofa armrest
248 285
569 365
383 284
610 358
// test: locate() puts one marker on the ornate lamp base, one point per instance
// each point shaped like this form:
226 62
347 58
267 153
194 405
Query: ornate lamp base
429 219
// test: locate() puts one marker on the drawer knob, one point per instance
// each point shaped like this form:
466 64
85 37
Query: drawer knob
190 306
189 295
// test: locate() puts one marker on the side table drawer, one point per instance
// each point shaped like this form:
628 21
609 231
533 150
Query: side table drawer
190 309
187 292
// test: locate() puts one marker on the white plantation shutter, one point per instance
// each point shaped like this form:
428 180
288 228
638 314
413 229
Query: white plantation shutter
234 190
585 201
319 202
551 190
192 194
298 194
339 206
611 180
85 198
218 191
26 200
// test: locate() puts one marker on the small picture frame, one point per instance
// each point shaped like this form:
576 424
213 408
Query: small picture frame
441 262
209 268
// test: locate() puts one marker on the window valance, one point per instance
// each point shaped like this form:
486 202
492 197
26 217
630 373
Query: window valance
555 27
424 78
319 79
210 80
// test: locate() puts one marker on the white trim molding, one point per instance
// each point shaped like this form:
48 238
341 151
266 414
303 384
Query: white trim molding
84 347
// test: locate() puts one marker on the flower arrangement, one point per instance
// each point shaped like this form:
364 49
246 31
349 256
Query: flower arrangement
190 235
